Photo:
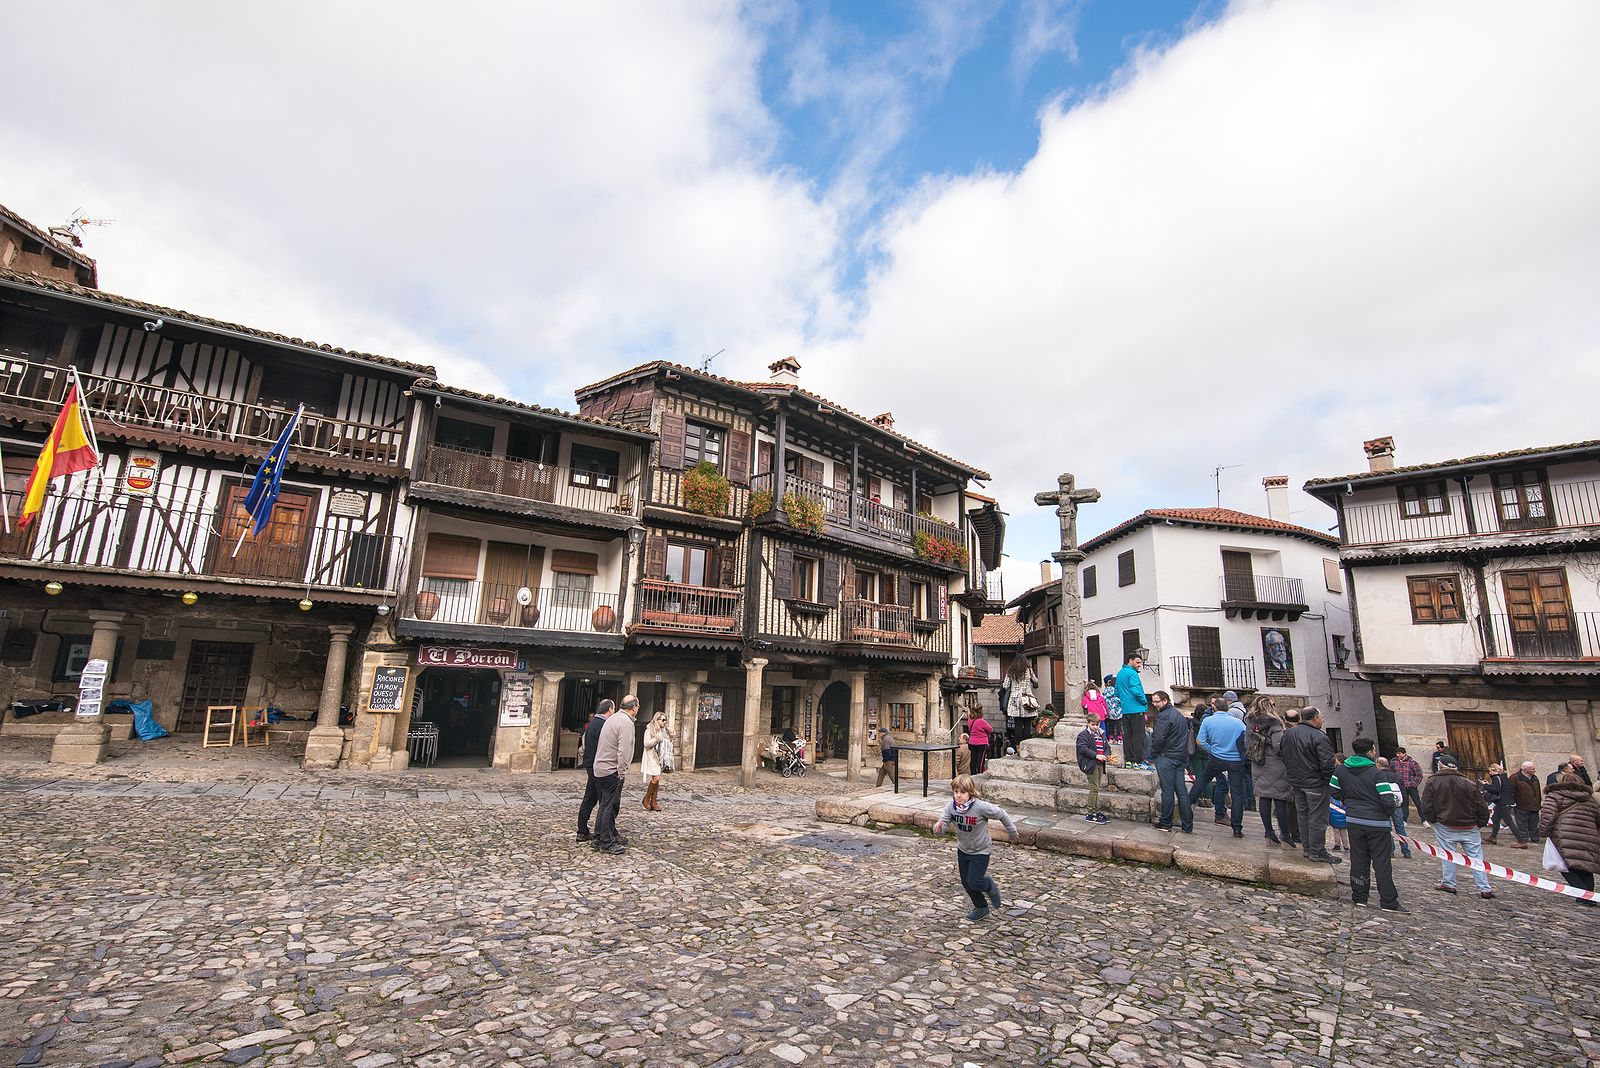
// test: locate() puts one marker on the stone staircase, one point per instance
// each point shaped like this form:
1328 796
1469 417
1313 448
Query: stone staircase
1044 774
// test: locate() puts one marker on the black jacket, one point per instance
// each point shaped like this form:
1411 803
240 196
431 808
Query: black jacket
1086 753
591 738
1307 757
1363 789
1170 739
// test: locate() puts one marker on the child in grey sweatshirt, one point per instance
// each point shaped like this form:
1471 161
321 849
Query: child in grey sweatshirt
969 815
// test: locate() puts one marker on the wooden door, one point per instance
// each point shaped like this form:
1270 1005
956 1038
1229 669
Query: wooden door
1539 612
1474 737
1522 500
279 551
1238 578
507 567
19 543
1205 656
719 742
218 674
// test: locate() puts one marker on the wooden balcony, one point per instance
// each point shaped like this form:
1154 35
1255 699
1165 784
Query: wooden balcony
1567 639
861 519
667 492
676 606
1560 507
525 481
876 624
142 538
1042 640
141 411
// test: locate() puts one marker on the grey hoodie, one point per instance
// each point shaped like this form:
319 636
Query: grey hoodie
971 823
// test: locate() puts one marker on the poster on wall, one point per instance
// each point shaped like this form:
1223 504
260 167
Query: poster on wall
516 701
710 705
810 721
1278 655
388 689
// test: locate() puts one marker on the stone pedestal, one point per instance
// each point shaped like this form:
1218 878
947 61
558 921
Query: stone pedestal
755 725
88 740
1044 774
325 743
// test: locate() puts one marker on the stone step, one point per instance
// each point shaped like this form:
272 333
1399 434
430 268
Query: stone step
1013 792
40 727
1138 807
1026 770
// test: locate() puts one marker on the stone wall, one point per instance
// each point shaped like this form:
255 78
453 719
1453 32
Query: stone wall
1545 730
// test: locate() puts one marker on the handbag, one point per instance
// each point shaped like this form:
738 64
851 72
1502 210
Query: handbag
1553 861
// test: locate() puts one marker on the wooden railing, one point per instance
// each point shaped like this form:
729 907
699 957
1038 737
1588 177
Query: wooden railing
1569 505
1042 639
1212 673
118 402
871 517
876 624
496 604
146 537
677 606
526 480
667 492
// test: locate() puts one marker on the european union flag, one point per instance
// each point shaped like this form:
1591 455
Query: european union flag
264 490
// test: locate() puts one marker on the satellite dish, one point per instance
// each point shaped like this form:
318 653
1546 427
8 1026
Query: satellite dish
524 597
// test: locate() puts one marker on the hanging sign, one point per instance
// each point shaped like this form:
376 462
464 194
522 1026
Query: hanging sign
516 701
469 657
91 688
944 603
388 689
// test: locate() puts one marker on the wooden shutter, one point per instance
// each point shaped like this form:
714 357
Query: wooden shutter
764 454
1092 648
727 567
1130 642
655 557
841 477
1205 657
672 432
783 574
1058 674
830 581
574 563
1238 577
924 504
811 470
1125 575
875 487
738 466
1089 580
902 499
450 556
903 589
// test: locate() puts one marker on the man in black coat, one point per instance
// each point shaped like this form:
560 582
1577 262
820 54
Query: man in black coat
1371 798
1308 758
591 790
1169 751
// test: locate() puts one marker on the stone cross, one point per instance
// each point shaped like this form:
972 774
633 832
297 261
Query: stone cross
1074 657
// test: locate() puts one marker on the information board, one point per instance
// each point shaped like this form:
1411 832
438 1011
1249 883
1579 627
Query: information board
516 701
91 688
388 689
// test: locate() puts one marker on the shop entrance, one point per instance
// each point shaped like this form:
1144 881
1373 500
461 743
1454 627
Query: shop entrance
465 704
578 700
833 741
719 727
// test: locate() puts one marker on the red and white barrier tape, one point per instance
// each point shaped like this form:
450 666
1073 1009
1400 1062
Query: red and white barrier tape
1501 871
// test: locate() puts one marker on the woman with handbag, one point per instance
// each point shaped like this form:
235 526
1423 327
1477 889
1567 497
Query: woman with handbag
1570 823
1022 707
650 764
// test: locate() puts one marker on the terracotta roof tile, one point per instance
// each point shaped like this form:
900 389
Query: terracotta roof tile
46 237
1226 518
1466 461
111 300
998 630
432 385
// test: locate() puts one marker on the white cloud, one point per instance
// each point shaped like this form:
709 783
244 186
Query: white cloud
1303 225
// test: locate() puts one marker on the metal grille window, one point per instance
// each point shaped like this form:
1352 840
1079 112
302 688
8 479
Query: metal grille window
1435 598
902 717
703 443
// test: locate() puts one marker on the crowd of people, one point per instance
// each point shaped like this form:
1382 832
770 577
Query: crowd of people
1283 767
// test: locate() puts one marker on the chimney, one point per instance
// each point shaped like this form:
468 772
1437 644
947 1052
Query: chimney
785 372
1045 572
1380 454
1277 487
885 420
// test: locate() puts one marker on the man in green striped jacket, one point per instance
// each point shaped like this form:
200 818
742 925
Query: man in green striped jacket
1371 799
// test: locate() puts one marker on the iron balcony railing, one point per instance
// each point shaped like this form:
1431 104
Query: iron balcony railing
1550 636
871 517
877 624
591 491
1263 589
117 402
1564 506
498 604
994 587
1214 673
677 606
145 536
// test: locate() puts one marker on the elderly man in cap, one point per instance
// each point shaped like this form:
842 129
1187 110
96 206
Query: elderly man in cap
1456 808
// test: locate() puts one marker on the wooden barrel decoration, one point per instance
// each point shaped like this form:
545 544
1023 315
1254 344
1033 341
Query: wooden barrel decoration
604 618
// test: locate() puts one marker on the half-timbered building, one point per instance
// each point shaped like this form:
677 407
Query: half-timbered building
804 566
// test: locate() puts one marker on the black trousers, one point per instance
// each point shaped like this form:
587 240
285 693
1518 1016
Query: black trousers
1133 738
1266 807
974 869
1583 880
591 798
1369 850
605 822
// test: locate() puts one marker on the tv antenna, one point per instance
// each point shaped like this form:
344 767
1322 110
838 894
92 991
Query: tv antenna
71 231
1216 476
705 361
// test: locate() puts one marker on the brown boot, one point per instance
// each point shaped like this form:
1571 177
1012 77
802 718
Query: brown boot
648 790
655 795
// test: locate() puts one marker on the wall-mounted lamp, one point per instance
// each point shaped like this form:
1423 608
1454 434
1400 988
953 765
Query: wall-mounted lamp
190 598
52 588
1142 653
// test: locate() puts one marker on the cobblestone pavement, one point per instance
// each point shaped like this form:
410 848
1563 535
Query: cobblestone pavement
428 918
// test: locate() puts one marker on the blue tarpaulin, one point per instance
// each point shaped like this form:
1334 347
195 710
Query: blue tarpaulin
144 722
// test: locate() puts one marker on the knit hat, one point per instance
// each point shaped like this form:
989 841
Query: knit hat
1447 762
1230 696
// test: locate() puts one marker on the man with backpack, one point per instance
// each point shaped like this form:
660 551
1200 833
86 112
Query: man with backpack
1371 798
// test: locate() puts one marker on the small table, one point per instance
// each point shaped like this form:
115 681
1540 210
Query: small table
924 748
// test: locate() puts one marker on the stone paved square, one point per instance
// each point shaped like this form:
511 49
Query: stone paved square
159 927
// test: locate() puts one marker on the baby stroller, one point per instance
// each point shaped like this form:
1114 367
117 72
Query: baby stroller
791 758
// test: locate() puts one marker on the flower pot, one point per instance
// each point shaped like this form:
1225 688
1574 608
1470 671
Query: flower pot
604 618
530 615
427 604
498 610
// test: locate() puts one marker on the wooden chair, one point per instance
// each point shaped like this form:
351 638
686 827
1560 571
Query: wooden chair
253 728
219 716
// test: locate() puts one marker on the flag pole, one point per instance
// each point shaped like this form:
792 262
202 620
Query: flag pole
293 419
5 505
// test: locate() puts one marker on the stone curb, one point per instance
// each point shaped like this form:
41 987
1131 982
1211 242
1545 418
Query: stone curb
1128 842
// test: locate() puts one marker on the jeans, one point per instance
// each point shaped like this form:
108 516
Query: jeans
591 798
974 869
1173 788
1411 798
1096 773
1311 809
605 823
1369 849
1133 738
1469 843
1233 772
1398 822
1525 823
1266 807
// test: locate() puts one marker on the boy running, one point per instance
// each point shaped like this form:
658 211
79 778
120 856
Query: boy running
969 815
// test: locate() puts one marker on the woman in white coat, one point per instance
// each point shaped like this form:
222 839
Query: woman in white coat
650 760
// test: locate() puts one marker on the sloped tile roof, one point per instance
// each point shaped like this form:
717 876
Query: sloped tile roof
433 385
1224 518
45 237
128 304
998 630
1482 459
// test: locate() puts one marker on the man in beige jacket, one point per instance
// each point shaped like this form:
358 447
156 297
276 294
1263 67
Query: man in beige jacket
612 756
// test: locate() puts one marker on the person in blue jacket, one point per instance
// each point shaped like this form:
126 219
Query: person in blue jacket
1131 695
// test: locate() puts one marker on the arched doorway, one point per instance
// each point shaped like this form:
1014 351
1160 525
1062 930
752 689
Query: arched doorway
834 737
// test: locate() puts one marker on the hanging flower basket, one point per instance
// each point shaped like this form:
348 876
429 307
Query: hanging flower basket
760 503
804 513
939 550
705 490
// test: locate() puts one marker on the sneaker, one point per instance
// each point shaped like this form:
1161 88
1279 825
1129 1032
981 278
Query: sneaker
615 849
977 914
585 836
1324 858
994 894
1238 834
1101 817
1486 893
1401 909
1090 818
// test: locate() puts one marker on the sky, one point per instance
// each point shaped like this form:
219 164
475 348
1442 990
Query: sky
1132 240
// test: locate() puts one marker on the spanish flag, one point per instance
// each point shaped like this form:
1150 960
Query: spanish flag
70 448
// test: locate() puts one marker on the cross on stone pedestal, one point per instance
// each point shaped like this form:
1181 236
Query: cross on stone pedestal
1074 657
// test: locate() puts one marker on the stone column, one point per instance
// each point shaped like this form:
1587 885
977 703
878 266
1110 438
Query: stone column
87 740
755 671
325 743
938 730
858 725
692 684
1583 731
544 721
